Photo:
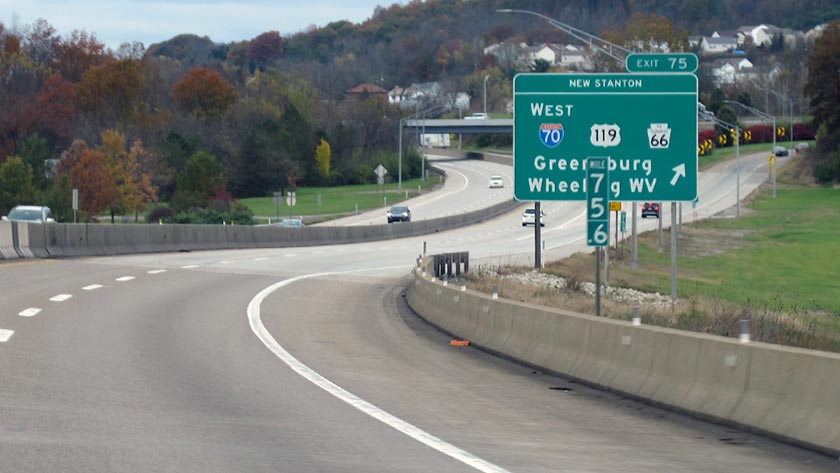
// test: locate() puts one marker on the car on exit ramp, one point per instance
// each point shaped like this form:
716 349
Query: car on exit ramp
529 217
650 209
398 213
496 182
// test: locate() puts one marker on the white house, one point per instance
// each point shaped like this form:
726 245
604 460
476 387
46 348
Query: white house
732 71
541 51
760 35
574 58
717 44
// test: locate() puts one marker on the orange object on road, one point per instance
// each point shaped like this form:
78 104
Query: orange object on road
459 343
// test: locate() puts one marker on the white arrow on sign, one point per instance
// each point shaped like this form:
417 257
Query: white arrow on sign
679 171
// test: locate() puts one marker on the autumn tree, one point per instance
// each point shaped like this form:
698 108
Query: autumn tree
16 187
111 95
265 49
71 157
133 186
322 159
823 89
56 107
91 175
203 93
78 53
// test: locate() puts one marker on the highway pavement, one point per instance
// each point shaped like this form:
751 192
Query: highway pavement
309 360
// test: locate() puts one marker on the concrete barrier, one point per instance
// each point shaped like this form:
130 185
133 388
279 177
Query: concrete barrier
59 240
20 237
786 393
7 244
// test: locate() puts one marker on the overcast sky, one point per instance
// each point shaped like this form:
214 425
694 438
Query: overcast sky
119 21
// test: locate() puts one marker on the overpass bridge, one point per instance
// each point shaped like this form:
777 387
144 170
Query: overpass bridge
488 125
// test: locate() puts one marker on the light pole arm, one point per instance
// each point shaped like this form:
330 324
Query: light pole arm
610 49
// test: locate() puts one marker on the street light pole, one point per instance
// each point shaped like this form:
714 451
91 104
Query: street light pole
766 116
737 128
485 94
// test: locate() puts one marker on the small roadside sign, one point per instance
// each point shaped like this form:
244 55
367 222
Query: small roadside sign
291 199
597 196
380 172
615 206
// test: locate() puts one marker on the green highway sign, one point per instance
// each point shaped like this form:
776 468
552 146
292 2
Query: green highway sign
661 62
645 123
597 201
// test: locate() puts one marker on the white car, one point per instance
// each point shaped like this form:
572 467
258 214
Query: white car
496 182
477 116
30 213
528 217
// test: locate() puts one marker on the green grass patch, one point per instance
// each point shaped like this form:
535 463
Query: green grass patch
781 255
341 199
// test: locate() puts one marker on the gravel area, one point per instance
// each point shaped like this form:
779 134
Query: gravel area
617 294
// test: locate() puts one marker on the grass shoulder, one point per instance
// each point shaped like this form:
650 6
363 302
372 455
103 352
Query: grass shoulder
775 266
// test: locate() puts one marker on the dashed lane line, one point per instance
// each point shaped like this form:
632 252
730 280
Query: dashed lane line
156 271
5 335
61 297
30 312
92 287
125 278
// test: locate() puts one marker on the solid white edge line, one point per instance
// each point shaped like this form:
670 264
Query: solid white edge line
5 335
30 312
312 376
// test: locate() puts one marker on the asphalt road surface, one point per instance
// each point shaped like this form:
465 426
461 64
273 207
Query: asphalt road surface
309 360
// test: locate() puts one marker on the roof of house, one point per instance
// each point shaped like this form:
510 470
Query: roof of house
367 89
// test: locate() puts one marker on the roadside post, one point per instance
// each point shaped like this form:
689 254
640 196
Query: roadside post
597 215
75 203
291 200
278 202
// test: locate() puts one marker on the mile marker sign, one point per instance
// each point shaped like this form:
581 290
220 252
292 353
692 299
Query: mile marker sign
645 123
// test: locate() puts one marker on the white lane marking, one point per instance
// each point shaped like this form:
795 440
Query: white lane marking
291 254
156 271
262 258
225 262
5 335
125 278
92 287
30 312
61 297
189 266
312 376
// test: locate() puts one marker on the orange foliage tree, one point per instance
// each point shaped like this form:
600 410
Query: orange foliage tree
204 93
91 175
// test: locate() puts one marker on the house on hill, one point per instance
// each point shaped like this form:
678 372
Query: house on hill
732 71
367 91
717 44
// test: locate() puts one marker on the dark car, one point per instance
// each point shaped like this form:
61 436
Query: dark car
399 213
650 209
780 151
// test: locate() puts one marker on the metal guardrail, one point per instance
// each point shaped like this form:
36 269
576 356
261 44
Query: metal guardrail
449 265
